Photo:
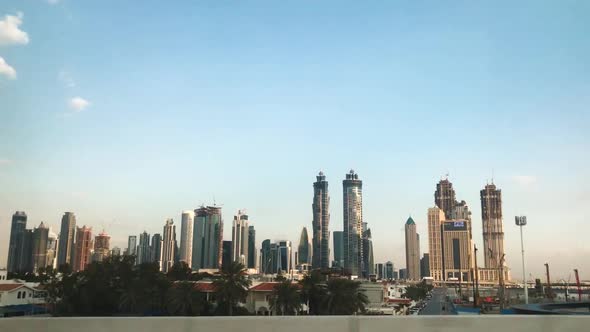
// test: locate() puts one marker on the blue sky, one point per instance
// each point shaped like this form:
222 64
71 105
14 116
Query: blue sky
128 114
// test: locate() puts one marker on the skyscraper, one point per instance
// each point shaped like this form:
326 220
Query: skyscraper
17 229
425 266
102 244
457 251
207 238
168 245
226 256
40 238
65 249
388 271
303 252
461 212
379 270
368 262
353 223
25 263
493 228
436 217
51 249
338 249
156 249
252 247
321 223
116 251
144 254
186 237
239 252
412 250
284 262
266 258
444 197
83 248
132 246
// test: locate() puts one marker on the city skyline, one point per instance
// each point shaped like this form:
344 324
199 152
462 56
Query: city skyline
127 131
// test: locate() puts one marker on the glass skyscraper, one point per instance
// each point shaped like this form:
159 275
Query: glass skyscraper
65 249
17 230
353 224
207 238
338 249
251 247
303 251
321 222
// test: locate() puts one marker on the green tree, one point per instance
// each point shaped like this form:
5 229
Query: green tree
344 297
285 298
417 292
232 286
313 292
183 300
179 272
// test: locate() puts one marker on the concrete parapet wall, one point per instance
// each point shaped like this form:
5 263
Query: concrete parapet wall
298 324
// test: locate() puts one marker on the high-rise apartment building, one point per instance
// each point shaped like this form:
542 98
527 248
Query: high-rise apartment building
444 197
51 250
436 217
368 260
457 253
285 255
40 239
303 250
252 253
425 266
144 252
168 245
412 250
338 249
380 270
132 246
493 228
353 223
102 245
116 251
17 231
156 249
186 237
389 269
239 252
226 256
65 249
83 248
207 238
321 223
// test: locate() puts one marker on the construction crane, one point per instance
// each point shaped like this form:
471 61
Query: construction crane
578 284
549 291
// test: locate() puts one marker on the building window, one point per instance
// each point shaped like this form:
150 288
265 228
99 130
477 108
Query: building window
18 295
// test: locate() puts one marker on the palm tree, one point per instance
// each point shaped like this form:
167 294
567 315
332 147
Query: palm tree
344 297
313 292
183 300
232 286
285 298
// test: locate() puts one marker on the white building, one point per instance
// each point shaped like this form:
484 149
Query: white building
186 236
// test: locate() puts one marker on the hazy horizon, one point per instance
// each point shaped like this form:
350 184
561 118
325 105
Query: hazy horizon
127 115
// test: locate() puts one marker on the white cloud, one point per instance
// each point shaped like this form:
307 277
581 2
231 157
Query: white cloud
10 32
65 77
78 104
524 180
6 69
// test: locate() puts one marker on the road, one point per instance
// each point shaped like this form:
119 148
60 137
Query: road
435 305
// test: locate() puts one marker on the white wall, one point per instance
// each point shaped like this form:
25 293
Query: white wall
11 297
296 324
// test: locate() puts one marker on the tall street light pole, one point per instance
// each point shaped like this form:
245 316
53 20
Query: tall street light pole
521 221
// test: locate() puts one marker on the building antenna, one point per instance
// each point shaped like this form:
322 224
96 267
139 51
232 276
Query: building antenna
492 176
